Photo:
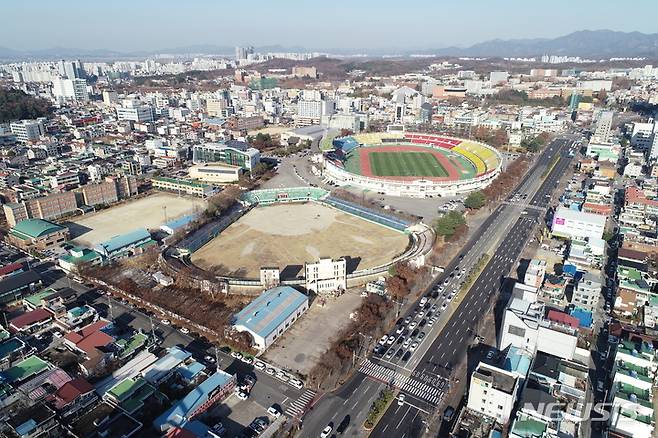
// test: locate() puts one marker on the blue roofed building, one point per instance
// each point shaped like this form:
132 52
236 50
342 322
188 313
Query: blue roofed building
177 224
269 315
125 245
214 389
164 367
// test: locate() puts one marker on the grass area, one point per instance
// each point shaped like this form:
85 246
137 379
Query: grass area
405 164
378 407
326 144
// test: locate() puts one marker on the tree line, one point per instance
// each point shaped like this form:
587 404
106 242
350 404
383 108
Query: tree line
17 105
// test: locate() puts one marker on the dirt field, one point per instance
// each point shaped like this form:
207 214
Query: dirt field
288 235
148 212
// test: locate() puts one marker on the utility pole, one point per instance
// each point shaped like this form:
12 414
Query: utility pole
152 328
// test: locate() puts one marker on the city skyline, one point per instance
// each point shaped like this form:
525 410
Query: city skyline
129 27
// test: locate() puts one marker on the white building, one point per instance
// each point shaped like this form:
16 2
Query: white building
136 111
527 325
603 127
270 315
66 90
326 276
588 291
573 223
27 130
493 392
534 275
642 136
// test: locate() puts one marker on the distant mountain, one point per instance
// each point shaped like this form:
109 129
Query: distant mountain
584 43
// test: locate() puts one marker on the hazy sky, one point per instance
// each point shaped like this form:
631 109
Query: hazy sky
154 24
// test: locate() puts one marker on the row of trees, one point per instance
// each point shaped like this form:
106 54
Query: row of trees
374 316
16 105
534 144
222 201
515 97
494 137
506 181
475 200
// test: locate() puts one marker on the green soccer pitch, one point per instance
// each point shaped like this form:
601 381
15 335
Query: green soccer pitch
405 164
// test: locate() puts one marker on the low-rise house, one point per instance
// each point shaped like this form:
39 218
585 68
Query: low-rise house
35 421
14 287
32 321
73 397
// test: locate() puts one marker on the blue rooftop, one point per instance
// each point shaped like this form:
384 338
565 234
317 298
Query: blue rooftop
124 240
179 223
516 361
583 316
267 312
189 372
178 414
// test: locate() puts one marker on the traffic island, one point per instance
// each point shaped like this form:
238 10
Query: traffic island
378 407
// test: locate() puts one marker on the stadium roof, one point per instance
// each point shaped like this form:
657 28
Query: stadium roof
267 312
178 413
34 228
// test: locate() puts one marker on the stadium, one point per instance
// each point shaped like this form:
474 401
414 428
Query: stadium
289 227
411 164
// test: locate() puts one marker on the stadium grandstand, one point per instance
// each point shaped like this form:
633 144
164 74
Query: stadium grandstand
368 214
294 194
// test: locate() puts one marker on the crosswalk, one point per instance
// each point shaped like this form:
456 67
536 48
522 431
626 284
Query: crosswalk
297 408
431 393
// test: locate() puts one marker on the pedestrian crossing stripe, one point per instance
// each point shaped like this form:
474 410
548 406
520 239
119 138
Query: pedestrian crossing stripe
298 407
432 394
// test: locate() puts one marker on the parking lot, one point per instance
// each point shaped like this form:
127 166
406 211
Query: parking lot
302 346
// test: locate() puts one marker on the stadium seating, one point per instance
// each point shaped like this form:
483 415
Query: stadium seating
377 137
294 194
432 140
480 166
345 143
486 156
367 214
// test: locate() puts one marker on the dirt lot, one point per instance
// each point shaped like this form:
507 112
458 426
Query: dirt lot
300 348
148 212
288 235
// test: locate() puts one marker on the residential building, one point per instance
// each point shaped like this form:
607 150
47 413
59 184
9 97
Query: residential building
603 127
27 130
53 206
66 90
267 317
214 389
493 392
587 292
14 287
534 274
631 395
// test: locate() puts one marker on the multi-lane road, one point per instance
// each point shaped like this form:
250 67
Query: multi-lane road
423 376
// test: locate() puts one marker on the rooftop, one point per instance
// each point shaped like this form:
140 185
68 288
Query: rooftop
179 412
118 242
270 309
34 228
26 368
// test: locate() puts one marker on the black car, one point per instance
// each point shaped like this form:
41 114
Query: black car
406 356
414 333
422 322
399 352
343 424
400 340
435 294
